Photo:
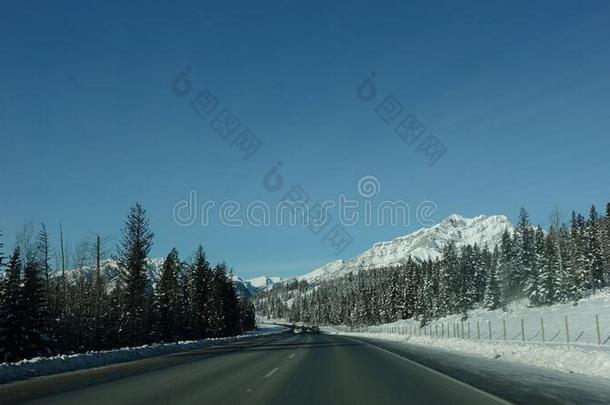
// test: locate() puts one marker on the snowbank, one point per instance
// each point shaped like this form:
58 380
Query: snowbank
534 335
58 364
571 359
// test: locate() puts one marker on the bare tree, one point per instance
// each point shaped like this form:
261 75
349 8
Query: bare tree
26 241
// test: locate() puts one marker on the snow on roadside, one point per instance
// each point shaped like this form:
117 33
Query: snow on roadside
547 343
58 364
593 361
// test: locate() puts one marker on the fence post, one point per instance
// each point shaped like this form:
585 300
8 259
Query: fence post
522 331
504 328
489 327
468 330
436 327
599 337
567 330
462 323
478 330
542 329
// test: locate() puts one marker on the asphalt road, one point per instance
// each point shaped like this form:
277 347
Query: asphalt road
282 369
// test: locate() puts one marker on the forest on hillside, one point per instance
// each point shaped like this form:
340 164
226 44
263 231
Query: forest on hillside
564 263
47 310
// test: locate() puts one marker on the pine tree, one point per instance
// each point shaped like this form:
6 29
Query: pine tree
526 246
508 270
594 255
533 289
184 322
248 317
230 303
44 253
13 341
564 277
606 245
201 291
578 262
547 271
482 265
493 287
132 253
466 280
167 299
39 339
2 257
448 282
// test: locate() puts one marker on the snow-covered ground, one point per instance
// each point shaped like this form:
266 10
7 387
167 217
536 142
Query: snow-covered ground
58 364
577 351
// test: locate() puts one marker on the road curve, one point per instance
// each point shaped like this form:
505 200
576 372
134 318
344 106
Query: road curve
295 369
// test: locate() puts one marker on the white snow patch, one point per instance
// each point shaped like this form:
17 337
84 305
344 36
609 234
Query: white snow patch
592 361
580 353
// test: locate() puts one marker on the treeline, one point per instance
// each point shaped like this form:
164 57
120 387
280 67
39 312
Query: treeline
46 311
563 264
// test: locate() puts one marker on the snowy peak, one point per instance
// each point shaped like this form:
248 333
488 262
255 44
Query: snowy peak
324 272
263 282
423 244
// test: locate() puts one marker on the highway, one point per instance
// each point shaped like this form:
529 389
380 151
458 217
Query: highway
280 369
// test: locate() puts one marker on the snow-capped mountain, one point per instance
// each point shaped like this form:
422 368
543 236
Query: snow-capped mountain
263 282
424 244
110 272
243 287
328 271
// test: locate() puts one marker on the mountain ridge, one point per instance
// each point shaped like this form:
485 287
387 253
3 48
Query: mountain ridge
423 244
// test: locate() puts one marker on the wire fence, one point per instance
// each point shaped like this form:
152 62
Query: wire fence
558 330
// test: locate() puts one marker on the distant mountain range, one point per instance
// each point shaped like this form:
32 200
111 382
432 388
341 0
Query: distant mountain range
423 244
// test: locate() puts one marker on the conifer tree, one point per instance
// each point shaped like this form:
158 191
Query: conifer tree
564 276
508 266
493 288
533 288
466 290
131 257
2 257
43 249
39 340
594 255
13 342
448 282
167 299
526 246
606 245
248 317
230 303
201 294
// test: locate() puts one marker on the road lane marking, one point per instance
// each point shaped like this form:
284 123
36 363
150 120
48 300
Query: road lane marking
291 356
270 373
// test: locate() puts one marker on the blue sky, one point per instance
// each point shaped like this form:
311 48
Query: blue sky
517 92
